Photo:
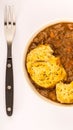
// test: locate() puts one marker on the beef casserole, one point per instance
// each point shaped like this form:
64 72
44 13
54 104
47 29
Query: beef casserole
49 62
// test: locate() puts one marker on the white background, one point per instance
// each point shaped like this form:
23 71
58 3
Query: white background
30 111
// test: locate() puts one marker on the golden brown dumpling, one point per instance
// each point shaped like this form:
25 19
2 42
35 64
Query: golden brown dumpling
46 70
64 92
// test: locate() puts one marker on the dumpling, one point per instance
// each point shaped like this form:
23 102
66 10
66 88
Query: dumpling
64 92
44 68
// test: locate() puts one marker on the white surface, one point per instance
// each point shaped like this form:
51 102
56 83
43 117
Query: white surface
30 111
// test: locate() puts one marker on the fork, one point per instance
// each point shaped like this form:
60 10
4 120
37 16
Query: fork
9 28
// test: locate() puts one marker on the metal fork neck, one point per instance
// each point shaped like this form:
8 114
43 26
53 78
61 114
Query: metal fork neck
9 51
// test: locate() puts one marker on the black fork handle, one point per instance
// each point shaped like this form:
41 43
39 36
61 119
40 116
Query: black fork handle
9 84
9 87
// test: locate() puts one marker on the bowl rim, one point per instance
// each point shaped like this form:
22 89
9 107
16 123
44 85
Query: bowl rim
25 71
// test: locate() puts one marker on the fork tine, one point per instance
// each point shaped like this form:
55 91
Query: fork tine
5 16
9 13
13 16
